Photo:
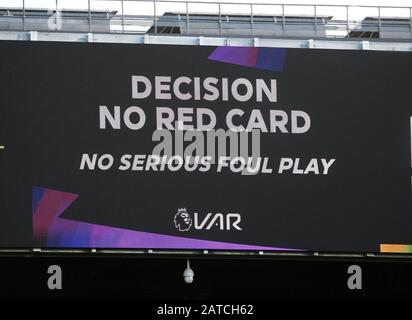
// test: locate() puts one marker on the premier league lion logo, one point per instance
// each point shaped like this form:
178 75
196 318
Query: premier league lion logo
183 220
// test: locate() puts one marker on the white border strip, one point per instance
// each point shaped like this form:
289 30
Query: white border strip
342 44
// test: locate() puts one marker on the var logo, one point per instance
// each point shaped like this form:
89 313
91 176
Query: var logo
183 221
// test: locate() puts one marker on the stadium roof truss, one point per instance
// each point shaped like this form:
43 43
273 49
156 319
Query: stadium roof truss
214 23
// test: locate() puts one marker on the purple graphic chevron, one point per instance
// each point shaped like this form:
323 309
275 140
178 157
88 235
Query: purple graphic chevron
272 59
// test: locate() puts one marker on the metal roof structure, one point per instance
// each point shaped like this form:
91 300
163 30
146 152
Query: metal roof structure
40 20
214 23
241 25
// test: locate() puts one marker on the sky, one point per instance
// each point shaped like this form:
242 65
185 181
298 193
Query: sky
404 3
